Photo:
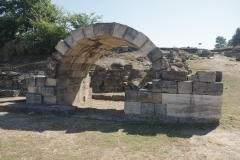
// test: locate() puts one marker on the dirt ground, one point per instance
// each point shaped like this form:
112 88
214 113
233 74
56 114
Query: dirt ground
48 137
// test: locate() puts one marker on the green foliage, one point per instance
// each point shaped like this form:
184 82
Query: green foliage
236 38
221 42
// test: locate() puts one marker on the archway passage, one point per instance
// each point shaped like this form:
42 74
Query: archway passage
69 67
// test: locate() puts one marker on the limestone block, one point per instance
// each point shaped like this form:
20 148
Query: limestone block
35 90
77 34
218 76
149 96
176 99
48 91
148 47
206 100
215 88
64 74
40 81
49 100
164 86
185 87
50 82
140 39
119 30
70 42
206 76
147 109
73 88
207 112
61 90
30 82
155 54
88 31
199 87
34 98
174 75
160 64
67 98
130 34
160 109
131 96
63 82
103 28
62 47
132 107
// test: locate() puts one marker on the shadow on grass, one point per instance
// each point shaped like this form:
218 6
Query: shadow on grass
41 123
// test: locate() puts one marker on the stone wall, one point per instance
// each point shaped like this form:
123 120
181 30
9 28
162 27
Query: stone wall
43 90
197 100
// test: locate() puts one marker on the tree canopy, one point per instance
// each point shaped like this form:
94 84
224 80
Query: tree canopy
221 42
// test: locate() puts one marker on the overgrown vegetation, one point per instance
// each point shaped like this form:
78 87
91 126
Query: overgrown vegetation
35 26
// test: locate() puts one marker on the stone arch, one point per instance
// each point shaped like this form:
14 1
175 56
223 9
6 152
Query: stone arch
79 52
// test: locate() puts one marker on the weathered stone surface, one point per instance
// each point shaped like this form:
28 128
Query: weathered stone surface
63 82
34 98
88 31
35 90
131 96
176 99
174 75
206 76
77 34
74 88
155 54
164 86
147 109
40 81
208 112
52 64
160 64
160 109
149 96
70 42
206 100
87 79
140 39
130 34
185 87
148 47
85 85
30 82
202 88
119 30
49 100
62 47
50 82
103 28
132 107
48 91
218 76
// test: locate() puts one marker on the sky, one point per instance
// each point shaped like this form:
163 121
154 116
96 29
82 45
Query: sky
167 23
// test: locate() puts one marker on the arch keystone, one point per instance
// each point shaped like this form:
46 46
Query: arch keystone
103 28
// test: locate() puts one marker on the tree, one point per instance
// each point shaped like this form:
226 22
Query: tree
236 38
221 42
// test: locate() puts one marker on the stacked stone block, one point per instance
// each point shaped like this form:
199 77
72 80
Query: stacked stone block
180 101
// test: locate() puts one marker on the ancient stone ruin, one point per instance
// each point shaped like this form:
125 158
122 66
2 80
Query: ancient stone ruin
176 96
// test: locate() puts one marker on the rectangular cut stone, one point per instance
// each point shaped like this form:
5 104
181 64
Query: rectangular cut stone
132 107
155 54
30 82
188 111
174 75
77 34
131 96
149 96
34 98
65 66
206 100
164 86
62 47
119 30
176 98
49 99
148 47
61 90
185 87
40 81
70 42
48 91
67 98
147 109
73 88
103 28
62 82
140 39
218 76
206 76
160 64
215 88
160 109
199 88
88 31
50 82
130 34
35 90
